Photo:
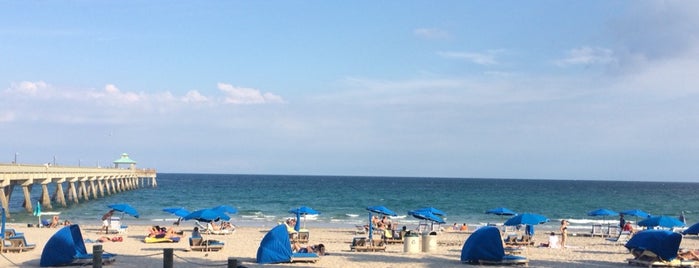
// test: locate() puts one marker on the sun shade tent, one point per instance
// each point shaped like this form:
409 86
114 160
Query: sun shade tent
485 244
663 243
275 247
66 247
694 229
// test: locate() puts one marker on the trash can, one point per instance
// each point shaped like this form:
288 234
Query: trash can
429 242
411 243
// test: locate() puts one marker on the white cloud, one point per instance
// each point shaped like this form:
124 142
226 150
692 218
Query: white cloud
487 58
194 96
28 87
243 95
7 117
587 55
431 33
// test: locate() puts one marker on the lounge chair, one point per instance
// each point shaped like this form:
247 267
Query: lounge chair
362 244
360 229
115 225
9 232
208 229
199 244
150 239
484 246
303 236
622 238
18 244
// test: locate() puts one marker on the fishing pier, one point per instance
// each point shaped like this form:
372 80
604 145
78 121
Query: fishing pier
83 183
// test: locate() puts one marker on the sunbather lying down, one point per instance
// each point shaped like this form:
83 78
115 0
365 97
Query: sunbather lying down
688 254
113 239
318 249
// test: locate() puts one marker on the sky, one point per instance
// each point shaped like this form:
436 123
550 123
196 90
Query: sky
598 90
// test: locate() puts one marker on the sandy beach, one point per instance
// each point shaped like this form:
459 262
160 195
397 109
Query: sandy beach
242 246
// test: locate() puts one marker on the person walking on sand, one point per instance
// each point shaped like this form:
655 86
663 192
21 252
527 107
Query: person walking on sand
564 233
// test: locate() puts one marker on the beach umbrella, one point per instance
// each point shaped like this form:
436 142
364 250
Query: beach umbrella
302 211
37 212
124 209
694 229
380 210
636 213
226 209
426 215
179 212
662 221
502 211
526 218
602 212
207 215
433 211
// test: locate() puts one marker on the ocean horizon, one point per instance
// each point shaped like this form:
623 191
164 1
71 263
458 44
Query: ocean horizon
264 200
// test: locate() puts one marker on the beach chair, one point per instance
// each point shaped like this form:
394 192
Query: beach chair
362 244
656 248
622 238
9 232
276 248
303 237
596 230
199 244
115 225
17 244
360 229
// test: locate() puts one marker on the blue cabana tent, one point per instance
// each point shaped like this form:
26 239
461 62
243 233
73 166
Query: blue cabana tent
663 243
694 229
276 247
485 244
66 247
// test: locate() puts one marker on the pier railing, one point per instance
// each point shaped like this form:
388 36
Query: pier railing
83 183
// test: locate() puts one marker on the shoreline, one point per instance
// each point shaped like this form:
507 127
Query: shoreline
242 246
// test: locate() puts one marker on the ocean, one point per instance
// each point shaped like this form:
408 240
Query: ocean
264 200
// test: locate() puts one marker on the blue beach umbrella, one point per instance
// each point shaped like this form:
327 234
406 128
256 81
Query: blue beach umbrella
380 210
662 221
433 211
502 211
207 215
302 211
635 213
694 229
179 212
426 215
602 212
526 218
124 208
226 209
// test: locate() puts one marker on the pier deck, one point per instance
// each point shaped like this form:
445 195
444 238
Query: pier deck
84 183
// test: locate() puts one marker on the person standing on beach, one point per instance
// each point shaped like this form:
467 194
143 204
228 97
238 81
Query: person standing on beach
564 233
105 220
622 221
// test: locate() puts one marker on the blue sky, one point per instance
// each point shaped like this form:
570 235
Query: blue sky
507 89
